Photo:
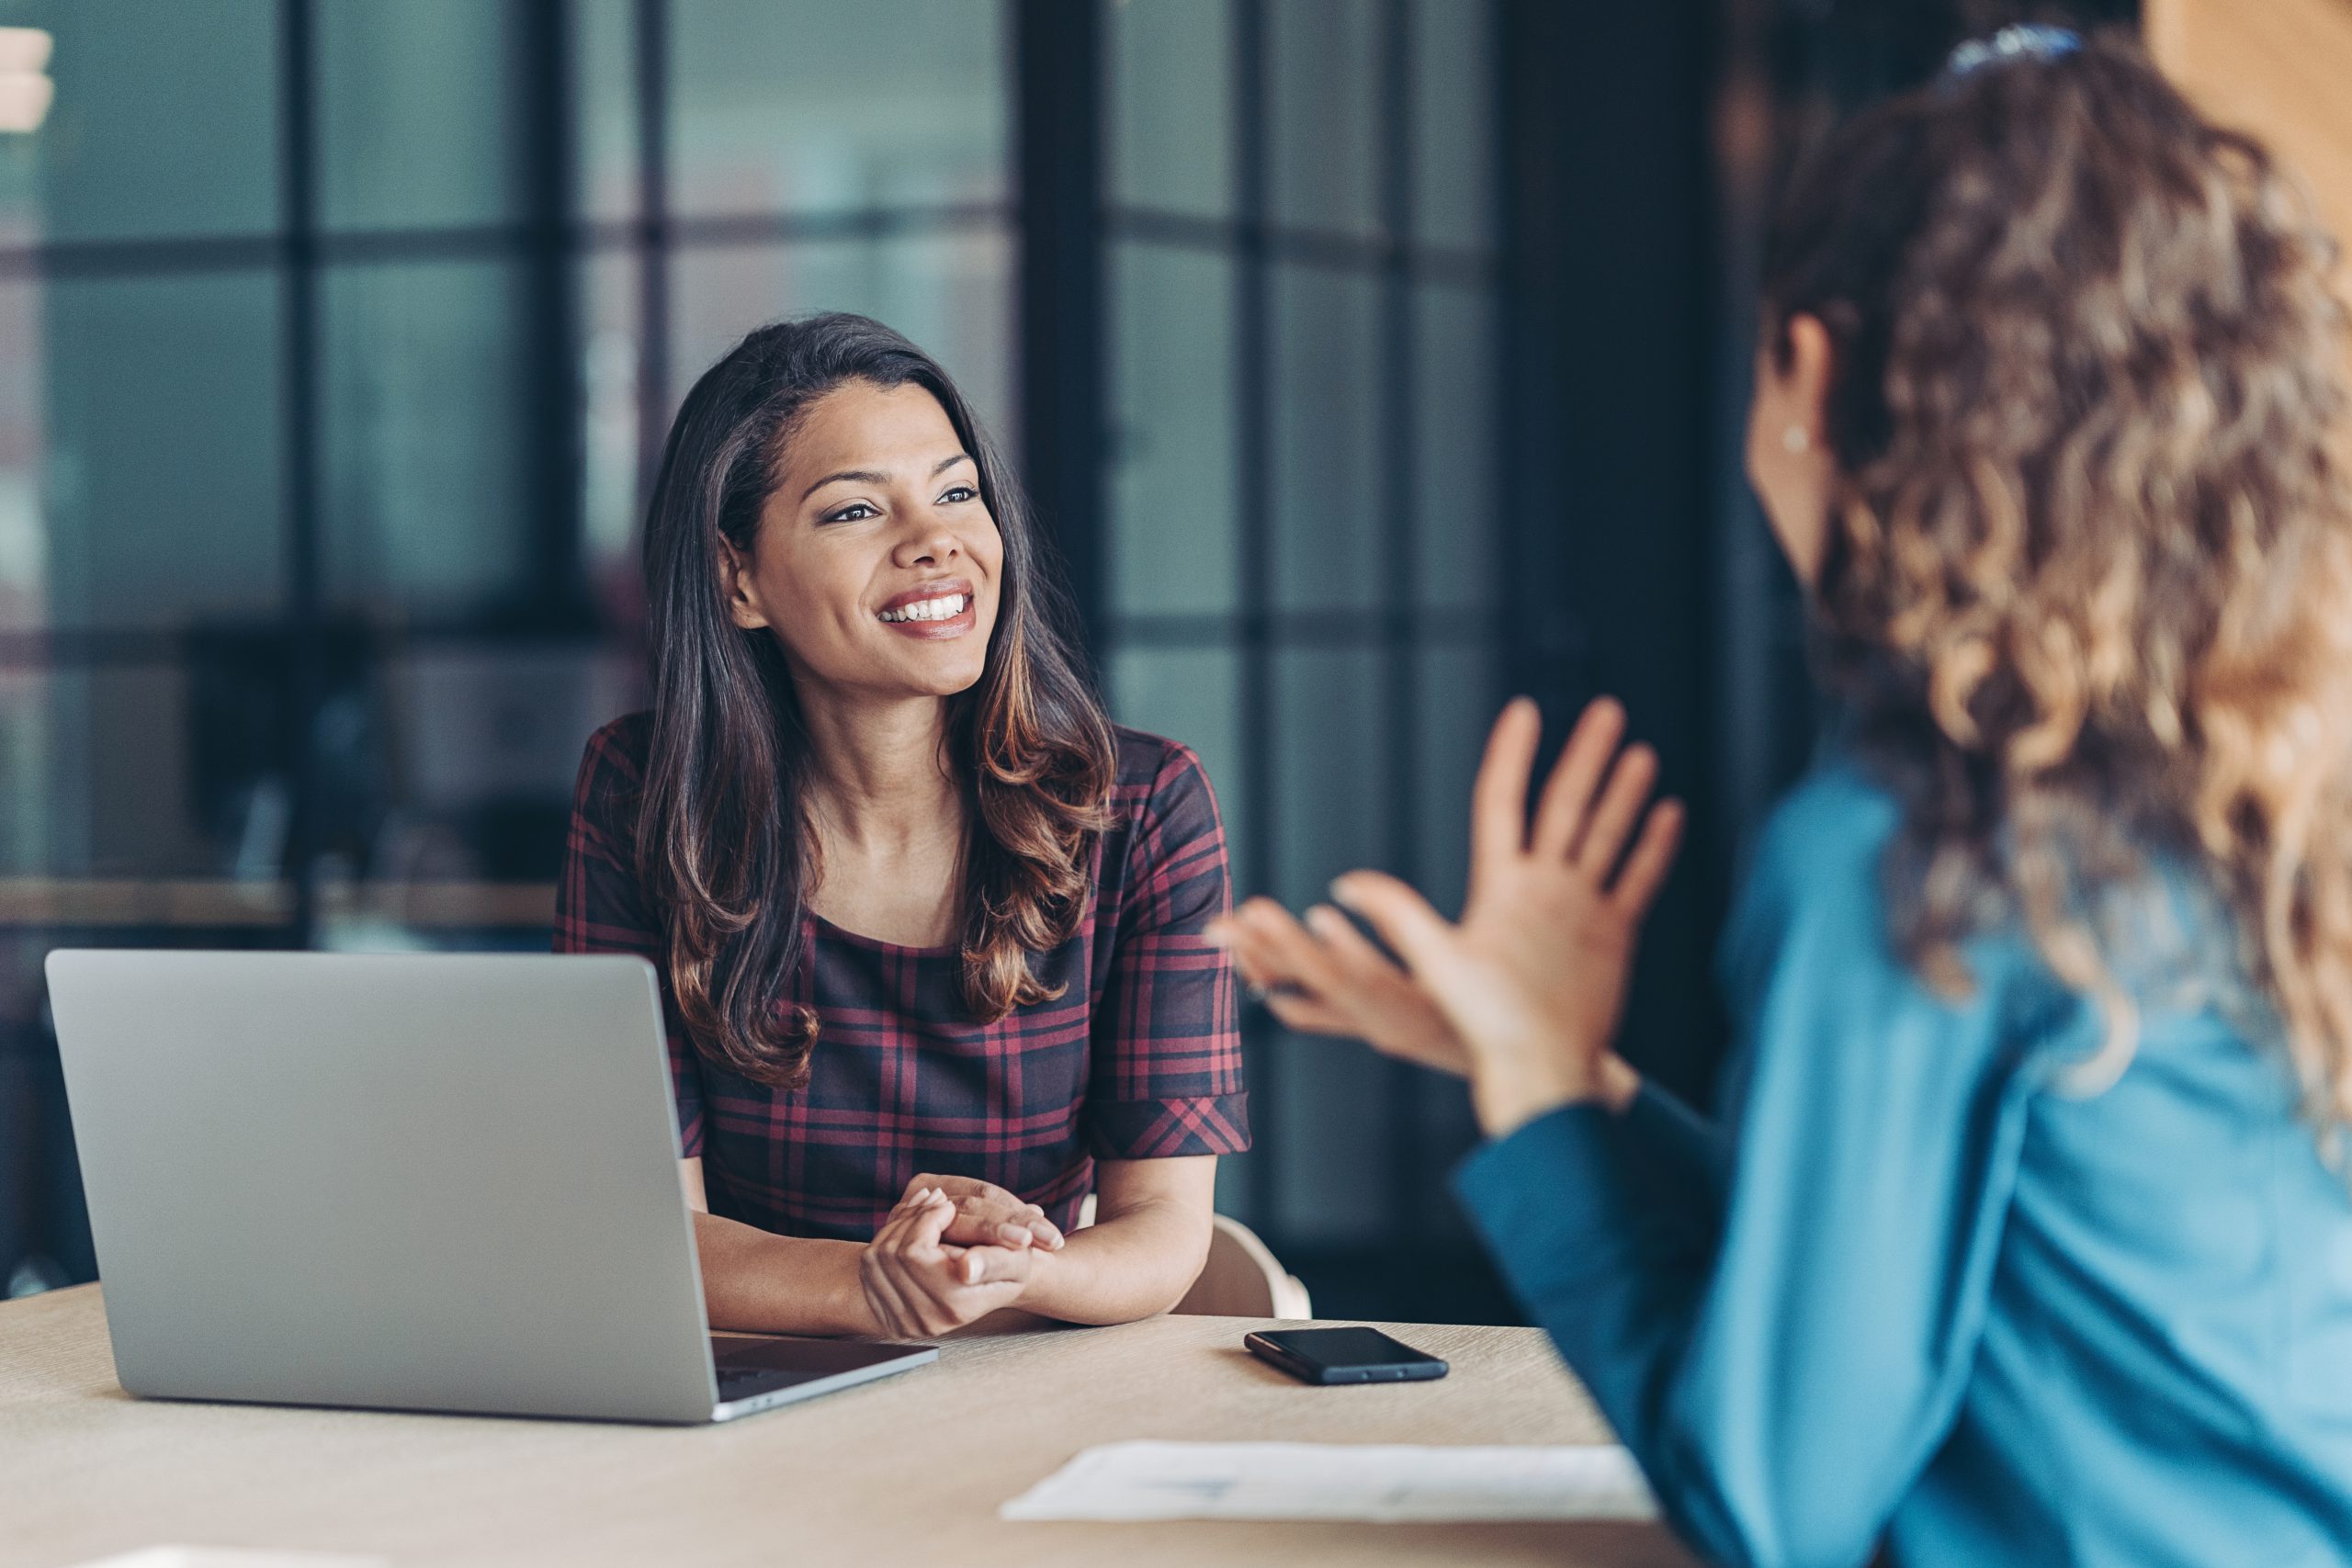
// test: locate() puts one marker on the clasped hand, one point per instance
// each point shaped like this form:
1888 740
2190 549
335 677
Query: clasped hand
952 1250
1523 993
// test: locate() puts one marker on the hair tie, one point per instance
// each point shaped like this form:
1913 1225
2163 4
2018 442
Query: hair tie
2025 42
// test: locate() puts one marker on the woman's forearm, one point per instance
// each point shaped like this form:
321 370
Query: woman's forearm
754 1282
1135 1264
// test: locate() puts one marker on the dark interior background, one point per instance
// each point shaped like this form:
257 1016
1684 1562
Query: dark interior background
1370 360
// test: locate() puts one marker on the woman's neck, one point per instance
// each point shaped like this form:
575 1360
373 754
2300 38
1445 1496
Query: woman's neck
882 779
889 814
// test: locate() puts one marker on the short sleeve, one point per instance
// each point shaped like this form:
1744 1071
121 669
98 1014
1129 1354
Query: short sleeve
600 907
1166 1077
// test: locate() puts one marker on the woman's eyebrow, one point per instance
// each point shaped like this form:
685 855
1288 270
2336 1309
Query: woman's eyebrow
868 477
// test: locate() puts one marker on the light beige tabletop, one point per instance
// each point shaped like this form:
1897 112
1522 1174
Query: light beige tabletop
909 1471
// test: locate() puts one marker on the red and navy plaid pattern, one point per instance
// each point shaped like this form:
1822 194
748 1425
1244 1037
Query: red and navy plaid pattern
1141 1059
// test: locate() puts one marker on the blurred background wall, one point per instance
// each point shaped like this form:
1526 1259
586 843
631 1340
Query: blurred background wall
1369 359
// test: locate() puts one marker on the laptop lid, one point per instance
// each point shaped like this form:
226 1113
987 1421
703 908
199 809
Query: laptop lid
414 1182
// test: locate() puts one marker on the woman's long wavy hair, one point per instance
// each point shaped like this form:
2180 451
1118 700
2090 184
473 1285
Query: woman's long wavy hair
725 843
2087 592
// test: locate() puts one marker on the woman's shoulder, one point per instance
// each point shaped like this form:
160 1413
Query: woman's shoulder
1149 768
611 765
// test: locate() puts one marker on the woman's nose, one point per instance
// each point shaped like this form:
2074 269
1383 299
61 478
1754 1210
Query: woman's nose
928 540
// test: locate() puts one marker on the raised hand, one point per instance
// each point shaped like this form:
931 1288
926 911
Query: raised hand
1533 980
1323 978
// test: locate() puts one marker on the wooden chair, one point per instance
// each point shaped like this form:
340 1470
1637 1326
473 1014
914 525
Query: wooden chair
1241 1278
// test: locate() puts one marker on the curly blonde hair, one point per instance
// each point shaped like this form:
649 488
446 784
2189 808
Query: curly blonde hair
2087 593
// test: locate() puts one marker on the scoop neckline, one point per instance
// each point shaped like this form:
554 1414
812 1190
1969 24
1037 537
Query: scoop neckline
858 939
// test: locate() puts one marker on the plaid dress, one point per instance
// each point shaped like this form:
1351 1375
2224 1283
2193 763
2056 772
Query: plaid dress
1141 1059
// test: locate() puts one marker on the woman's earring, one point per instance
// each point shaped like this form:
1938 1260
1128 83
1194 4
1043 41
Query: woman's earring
1796 440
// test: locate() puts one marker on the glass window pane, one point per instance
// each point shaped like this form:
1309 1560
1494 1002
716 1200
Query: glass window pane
1172 539
421 117
800 105
950 293
490 743
1171 120
1325 140
24 529
1455 111
162 486
1327 477
1332 813
612 308
604 101
1192 694
110 748
1457 526
165 122
1456 697
429 487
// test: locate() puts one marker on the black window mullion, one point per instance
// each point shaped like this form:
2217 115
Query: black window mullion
1253 515
652 18
1405 1083
305 487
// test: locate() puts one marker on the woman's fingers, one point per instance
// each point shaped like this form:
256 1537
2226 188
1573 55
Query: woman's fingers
1652 858
1602 843
1499 799
1567 802
1415 932
1309 1016
1287 950
1354 962
993 1266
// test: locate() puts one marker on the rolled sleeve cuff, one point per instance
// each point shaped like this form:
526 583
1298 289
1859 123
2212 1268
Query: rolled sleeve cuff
1164 1129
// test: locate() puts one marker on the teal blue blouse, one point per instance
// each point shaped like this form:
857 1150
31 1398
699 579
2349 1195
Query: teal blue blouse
1931 1292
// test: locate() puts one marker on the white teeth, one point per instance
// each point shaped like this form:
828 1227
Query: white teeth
938 609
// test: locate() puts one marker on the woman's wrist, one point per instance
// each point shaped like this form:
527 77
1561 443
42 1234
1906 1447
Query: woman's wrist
1509 1092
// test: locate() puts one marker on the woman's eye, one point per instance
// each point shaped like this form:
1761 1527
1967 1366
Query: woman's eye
856 511
960 493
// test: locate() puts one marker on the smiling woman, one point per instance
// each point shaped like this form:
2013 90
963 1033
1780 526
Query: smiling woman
929 926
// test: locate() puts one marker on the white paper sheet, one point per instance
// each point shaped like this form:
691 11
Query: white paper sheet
1321 1481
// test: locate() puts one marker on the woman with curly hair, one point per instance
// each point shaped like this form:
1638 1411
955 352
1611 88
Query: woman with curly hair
928 925
2028 1239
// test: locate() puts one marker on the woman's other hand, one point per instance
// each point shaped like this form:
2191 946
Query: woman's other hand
987 1215
1323 978
1533 980
918 1285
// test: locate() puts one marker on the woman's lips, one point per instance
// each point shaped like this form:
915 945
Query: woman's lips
924 623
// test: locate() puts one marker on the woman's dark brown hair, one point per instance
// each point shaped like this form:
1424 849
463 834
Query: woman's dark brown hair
724 840
2087 592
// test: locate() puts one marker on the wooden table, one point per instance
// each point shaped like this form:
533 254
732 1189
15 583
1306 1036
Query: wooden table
907 1472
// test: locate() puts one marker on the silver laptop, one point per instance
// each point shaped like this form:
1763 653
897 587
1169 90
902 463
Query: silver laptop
421 1183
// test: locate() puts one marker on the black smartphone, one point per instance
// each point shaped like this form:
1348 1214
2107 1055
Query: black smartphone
1342 1355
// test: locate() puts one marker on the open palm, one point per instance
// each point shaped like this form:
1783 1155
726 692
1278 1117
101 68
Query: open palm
1533 978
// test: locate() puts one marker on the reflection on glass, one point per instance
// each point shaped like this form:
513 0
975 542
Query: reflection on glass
112 747
604 106
1327 491
1454 123
1192 694
1169 123
811 106
164 122
951 294
1456 528
162 490
610 429
1171 543
418 113
1325 140
428 392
